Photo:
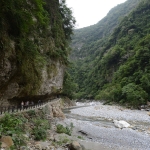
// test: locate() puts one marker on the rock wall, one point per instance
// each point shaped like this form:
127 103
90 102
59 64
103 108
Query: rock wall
34 49
11 88
8 68
54 82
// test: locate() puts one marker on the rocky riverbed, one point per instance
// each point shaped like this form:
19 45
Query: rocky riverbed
93 122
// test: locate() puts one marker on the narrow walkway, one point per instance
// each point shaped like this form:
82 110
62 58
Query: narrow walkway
15 109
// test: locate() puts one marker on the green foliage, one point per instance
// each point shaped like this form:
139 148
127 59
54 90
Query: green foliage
94 67
62 24
68 19
31 113
13 126
18 22
69 87
65 140
134 94
41 31
110 92
80 137
19 140
62 141
88 40
18 125
66 130
29 58
19 15
40 129
113 56
10 125
39 134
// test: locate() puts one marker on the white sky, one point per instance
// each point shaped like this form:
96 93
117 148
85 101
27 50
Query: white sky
89 12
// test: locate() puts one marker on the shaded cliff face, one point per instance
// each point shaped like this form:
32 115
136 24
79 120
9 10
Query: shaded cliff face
33 48
11 79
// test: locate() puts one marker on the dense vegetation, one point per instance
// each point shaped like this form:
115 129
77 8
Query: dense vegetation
115 67
41 30
32 123
84 39
28 127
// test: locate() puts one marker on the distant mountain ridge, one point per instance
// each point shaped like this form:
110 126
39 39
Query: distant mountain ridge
85 36
113 63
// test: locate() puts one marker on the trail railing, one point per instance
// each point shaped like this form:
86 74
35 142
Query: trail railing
14 109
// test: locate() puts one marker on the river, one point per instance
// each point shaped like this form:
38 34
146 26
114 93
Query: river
94 123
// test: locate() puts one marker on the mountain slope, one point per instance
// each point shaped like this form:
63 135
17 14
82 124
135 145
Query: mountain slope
84 37
117 67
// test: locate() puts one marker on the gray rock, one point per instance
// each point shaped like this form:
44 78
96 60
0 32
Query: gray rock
38 146
24 148
45 145
75 146
121 124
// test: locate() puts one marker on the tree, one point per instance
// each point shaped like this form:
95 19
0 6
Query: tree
68 19
69 87
134 94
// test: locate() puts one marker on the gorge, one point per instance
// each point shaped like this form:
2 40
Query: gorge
109 63
111 58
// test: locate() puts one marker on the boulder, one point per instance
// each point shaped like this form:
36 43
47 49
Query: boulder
57 112
148 113
3 145
121 124
7 140
148 104
38 146
75 146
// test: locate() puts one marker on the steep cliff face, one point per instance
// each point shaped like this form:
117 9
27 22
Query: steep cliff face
8 68
34 48
51 79
51 82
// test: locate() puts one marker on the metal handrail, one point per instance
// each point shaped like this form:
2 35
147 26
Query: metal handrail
13 109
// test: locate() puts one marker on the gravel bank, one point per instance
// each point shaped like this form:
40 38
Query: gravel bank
107 137
97 109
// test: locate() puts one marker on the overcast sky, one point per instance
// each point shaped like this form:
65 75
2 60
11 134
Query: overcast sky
89 12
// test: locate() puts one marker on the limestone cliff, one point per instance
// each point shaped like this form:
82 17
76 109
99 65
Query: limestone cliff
34 48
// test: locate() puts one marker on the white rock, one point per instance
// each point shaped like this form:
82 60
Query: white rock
121 124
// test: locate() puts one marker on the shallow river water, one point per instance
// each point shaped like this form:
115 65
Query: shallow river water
95 123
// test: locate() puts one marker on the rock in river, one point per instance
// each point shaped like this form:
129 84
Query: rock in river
121 124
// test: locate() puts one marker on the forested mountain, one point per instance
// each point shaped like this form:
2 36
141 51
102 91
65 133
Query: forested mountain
83 38
116 65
